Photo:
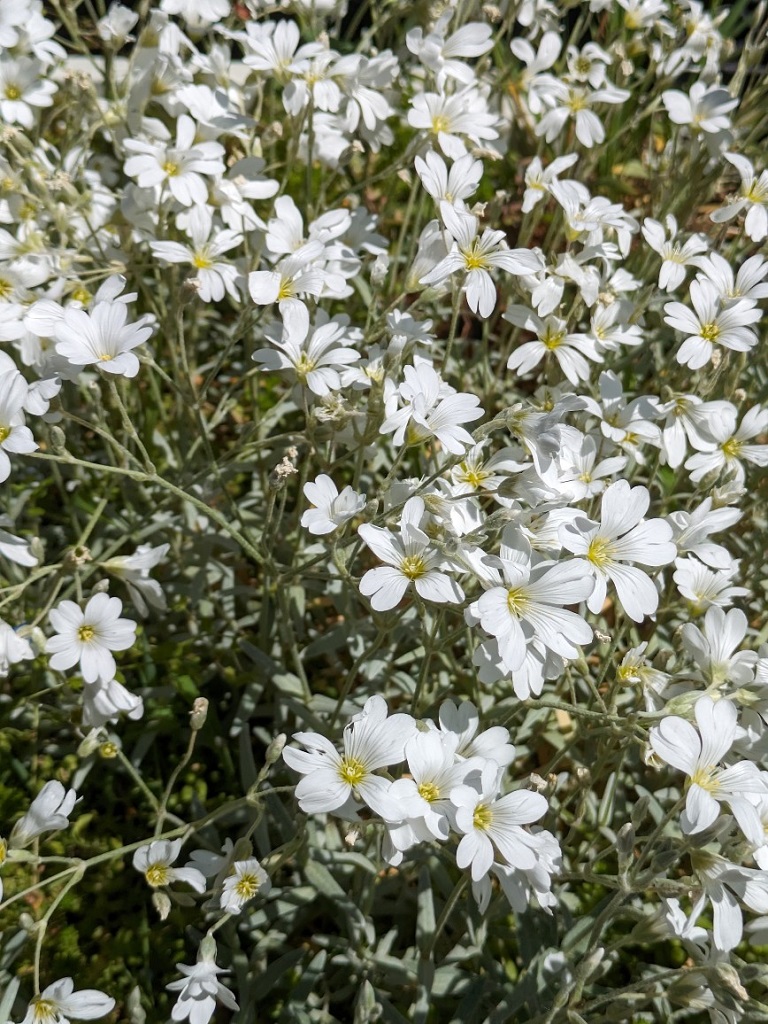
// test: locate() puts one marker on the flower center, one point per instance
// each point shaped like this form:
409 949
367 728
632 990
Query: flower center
705 777
6 288
440 123
474 477
285 290
600 552
85 634
352 770
4 433
247 886
44 1011
3 850
517 601
413 566
12 92
756 193
709 332
201 260
157 874
170 168
304 365
577 101
732 448
474 259
552 339
429 791
482 817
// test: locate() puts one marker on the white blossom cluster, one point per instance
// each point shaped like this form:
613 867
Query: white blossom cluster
434 349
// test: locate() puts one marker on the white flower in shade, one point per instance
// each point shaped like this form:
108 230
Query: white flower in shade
479 471
13 648
538 178
155 859
409 560
688 419
752 197
440 54
14 548
335 782
89 637
729 448
725 884
474 255
675 256
692 531
247 880
705 108
714 650
134 571
58 1003
704 587
567 100
315 354
15 437
530 604
451 186
462 721
199 990
622 536
102 337
48 812
698 753
711 323
431 408
494 825
331 509
105 701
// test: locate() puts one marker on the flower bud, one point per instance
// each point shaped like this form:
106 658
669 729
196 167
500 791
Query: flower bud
198 714
162 904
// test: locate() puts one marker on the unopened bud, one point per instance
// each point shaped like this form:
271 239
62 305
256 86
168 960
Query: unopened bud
102 586
58 440
625 840
198 714
275 749
162 904
379 270
207 951
640 810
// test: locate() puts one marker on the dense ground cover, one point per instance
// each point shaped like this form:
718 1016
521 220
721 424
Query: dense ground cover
383 553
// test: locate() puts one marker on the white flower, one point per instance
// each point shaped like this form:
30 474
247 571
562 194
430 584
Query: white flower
704 587
102 337
13 648
475 255
331 509
729 449
698 754
552 339
89 636
752 196
622 536
23 85
199 990
538 179
248 879
15 437
49 811
155 859
452 186
409 559
711 324
692 530
134 570
675 257
333 781
431 408
59 1002
449 116
215 277
181 167
530 604
724 885
705 108
713 650
493 824
570 100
